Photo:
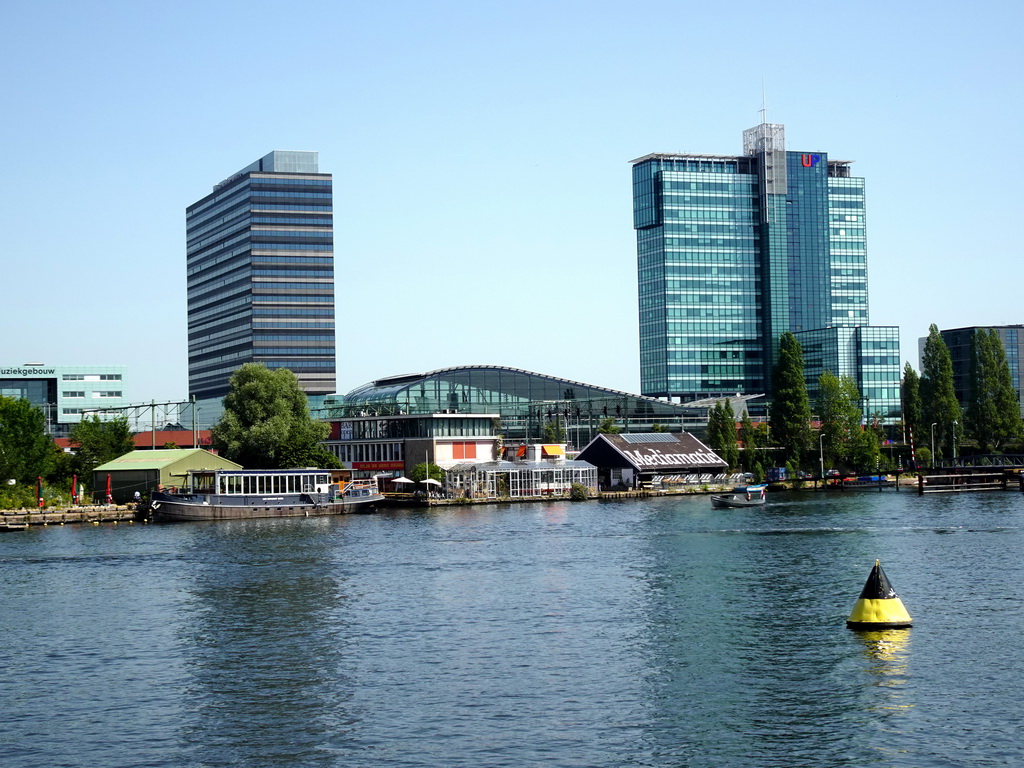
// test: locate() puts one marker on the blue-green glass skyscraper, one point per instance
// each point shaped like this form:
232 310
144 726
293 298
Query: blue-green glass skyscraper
732 251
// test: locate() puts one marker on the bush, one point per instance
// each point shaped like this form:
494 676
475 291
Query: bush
18 497
578 492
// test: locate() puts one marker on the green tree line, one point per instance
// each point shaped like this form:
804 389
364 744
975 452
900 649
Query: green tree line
852 440
266 425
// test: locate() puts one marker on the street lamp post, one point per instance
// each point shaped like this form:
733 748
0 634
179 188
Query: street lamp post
934 424
821 454
954 439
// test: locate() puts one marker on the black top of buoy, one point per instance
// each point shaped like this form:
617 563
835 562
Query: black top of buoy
877 587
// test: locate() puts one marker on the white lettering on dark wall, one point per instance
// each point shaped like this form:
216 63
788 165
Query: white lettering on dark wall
654 457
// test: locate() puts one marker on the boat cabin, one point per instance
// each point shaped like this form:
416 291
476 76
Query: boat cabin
258 482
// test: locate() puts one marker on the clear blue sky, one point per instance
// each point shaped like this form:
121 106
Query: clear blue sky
480 158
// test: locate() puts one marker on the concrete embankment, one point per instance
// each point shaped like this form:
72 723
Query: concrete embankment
20 519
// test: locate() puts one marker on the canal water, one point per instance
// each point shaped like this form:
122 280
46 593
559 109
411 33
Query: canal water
637 633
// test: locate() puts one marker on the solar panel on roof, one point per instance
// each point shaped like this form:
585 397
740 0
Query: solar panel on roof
652 437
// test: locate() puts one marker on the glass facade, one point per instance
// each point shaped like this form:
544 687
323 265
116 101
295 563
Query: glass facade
260 271
733 251
699 291
960 341
868 354
521 403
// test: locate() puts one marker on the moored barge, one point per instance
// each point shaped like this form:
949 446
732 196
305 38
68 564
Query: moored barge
236 494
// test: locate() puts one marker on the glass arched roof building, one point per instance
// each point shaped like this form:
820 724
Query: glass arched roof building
524 401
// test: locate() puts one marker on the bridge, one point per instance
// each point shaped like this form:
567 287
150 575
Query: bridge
981 472
987 461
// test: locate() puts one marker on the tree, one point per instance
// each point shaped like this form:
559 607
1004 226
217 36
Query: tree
98 442
609 427
993 414
791 409
26 451
722 432
755 439
840 416
552 432
865 449
940 406
266 422
913 416
421 472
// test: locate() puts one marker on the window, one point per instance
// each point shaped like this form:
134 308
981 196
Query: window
463 450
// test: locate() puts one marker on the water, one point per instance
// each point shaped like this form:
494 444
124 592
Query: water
640 633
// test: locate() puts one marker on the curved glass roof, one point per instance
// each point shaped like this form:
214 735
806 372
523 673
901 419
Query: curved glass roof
492 389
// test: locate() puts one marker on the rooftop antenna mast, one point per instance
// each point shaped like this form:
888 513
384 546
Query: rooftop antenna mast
764 104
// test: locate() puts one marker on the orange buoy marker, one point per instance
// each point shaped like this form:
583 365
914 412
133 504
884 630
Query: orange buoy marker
878 607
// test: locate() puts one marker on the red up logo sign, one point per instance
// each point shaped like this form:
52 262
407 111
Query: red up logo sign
809 160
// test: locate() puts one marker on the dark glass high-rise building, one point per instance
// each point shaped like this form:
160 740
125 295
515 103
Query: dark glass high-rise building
261 276
960 342
733 251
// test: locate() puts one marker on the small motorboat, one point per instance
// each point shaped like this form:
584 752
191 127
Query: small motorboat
750 496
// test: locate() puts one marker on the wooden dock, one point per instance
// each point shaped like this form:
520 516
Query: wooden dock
22 519
964 482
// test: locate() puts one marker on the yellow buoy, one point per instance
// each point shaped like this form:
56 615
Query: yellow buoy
878 607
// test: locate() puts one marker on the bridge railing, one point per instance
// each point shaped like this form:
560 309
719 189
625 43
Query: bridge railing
988 460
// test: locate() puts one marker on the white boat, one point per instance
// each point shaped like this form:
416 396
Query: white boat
235 494
750 496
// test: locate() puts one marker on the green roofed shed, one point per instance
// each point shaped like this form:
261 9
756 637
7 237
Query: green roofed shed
145 471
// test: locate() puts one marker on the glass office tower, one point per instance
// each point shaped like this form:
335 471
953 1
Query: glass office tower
261 277
961 343
732 251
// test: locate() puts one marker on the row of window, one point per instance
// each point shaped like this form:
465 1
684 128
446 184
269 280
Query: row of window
366 452
709 214
293 337
320 366
268 484
295 350
262 181
294 272
297 324
737 187
260 233
225 285
293 312
291 195
219 199
217 308
263 287
79 393
298 298
264 246
298 220
709 201
270 207
314 260
91 377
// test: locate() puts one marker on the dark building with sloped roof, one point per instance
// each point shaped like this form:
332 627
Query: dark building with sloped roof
629 460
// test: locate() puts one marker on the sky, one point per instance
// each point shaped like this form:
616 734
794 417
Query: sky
480 154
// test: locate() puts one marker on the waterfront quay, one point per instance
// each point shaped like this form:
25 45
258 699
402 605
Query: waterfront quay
20 519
